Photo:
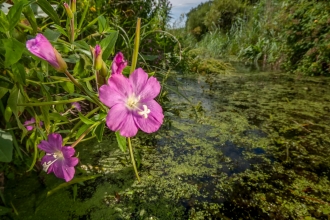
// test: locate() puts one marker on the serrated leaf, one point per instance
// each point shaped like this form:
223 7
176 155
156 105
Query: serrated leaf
49 10
121 141
6 146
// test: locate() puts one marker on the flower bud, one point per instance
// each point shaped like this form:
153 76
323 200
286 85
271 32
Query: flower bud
104 70
68 10
97 56
73 6
41 47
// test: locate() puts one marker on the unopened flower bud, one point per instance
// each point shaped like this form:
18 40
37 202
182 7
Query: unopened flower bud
68 10
41 47
97 55
104 70
73 6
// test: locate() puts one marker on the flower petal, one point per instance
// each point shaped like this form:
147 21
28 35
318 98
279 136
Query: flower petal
117 116
47 159
47 147
71 162
120 84
150 90
128 128
110 97
57 168
68 173
55 140
154 120
68 152
41 47
138 79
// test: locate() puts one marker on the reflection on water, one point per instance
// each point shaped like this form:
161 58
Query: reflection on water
248 146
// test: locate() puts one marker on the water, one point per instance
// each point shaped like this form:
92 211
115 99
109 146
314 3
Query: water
251 145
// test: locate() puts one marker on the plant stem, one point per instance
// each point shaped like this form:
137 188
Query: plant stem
132 158
52 102
76 83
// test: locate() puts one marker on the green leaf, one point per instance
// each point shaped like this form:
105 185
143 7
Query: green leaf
57 117
51 35
14 14
3 92
4 24
108 44
73 181
46 118
4 210
85 119
6 146
61 30
99 131
49 10
81 130
19 73
5 83
121 141
68 87
8 113
16 98
29 15
14 50
102 23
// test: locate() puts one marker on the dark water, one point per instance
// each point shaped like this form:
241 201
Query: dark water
247 146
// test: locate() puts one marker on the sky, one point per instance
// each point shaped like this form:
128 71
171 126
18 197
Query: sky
183 6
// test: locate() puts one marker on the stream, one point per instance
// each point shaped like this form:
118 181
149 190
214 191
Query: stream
249 145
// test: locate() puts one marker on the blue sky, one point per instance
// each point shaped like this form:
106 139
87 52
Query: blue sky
183 6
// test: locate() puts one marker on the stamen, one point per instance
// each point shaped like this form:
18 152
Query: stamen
145 111
45 165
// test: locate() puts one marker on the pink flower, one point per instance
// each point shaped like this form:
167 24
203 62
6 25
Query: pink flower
118 64
132 103
58 159
77 106
42 48
29 124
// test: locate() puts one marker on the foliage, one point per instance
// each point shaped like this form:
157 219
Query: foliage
195 19
307 34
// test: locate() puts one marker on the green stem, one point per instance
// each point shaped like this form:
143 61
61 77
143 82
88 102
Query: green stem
52 102
85 133
76 83
136 45
132 158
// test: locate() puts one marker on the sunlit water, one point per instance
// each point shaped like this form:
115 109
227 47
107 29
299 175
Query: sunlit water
251 145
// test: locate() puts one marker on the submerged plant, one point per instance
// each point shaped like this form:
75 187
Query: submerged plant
58 159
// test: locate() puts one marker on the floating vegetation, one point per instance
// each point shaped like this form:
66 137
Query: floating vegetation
253 146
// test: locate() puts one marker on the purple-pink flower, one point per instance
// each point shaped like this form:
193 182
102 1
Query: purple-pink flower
118 64
29 124
41 47
77 106
132 103
58 159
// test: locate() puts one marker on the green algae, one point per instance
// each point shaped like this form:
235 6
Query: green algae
252 146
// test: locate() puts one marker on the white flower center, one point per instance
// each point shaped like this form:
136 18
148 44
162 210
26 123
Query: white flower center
132 103
57 156
145 111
